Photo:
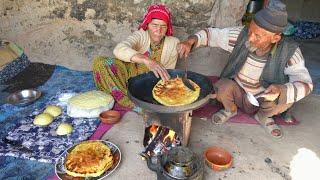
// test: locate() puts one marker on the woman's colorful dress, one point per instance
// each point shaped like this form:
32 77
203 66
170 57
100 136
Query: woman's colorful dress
111 75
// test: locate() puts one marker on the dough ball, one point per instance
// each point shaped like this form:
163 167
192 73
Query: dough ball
43 119
53 110
64 128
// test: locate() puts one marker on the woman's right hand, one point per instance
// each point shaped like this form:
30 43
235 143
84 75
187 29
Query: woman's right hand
157 68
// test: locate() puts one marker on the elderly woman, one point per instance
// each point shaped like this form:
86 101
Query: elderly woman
151 48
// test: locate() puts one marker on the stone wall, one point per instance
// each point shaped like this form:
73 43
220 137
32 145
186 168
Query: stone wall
303 10
72 32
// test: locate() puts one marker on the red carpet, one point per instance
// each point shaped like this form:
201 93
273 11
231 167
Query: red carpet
208 110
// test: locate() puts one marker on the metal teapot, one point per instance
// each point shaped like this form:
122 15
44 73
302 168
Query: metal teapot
180 163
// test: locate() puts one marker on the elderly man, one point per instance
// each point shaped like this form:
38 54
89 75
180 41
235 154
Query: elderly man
261 60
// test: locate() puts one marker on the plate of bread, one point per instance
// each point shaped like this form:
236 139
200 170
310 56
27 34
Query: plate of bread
92 159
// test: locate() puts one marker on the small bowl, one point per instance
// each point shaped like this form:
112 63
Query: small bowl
24 97
110 116
218 158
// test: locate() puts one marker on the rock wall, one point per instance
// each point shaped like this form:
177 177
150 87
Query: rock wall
72 32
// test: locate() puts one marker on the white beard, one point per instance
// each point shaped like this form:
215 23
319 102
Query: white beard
250 47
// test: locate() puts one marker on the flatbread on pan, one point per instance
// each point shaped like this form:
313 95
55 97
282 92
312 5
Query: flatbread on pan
173 92
89 159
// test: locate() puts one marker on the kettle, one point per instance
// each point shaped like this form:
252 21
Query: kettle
178 163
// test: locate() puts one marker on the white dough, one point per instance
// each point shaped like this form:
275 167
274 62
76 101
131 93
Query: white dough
43 119
53 110
64 128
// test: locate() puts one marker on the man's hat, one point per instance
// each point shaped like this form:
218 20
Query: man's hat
273 17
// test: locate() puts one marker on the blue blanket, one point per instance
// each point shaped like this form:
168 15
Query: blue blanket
62 80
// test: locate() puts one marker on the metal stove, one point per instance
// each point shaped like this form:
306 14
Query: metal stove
177 118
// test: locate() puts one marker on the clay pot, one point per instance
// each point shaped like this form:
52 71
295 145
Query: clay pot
218 158
110 116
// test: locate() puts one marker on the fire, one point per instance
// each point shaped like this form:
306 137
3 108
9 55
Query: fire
159 139
170 135
153 130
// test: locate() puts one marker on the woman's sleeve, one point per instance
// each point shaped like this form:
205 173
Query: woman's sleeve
129 47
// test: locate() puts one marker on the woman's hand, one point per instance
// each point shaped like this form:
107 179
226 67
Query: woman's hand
185 46
157 68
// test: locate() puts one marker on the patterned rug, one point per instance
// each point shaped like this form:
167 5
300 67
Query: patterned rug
62 80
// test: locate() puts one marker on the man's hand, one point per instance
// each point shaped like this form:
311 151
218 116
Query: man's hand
157 68
272 92
185 46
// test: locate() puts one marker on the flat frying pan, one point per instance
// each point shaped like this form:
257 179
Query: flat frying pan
140 91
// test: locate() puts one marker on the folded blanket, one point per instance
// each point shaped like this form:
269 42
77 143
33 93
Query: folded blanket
34 75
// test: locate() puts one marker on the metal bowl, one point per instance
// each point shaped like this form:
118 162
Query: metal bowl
24 97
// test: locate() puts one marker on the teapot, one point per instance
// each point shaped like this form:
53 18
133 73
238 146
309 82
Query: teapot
178 163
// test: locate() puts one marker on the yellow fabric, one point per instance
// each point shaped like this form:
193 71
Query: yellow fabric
8 53
111 75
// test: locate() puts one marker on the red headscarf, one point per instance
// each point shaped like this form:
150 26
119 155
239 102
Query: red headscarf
157 12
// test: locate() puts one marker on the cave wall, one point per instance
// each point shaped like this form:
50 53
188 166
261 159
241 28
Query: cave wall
72 32
303 10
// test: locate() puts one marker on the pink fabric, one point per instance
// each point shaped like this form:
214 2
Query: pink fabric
208 110
121 109
157 12
101 129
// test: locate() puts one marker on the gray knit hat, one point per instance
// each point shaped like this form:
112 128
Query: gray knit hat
273 17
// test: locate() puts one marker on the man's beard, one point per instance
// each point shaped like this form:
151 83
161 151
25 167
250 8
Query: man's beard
250 47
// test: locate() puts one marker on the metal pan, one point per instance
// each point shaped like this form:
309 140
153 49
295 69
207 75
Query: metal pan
140 91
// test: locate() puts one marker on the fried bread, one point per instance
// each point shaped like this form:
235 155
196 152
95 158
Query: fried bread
89 159
173 92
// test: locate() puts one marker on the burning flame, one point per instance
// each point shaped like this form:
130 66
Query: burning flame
170 135
161 141
153 130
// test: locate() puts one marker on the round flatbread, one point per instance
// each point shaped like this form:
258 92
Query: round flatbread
89 159
173 92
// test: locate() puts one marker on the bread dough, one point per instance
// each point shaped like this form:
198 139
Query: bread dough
53 110
91 99
89 104
43 119
64 128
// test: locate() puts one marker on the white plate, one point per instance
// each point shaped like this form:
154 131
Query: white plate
60 169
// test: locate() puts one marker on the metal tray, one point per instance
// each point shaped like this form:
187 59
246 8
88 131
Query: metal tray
60 168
